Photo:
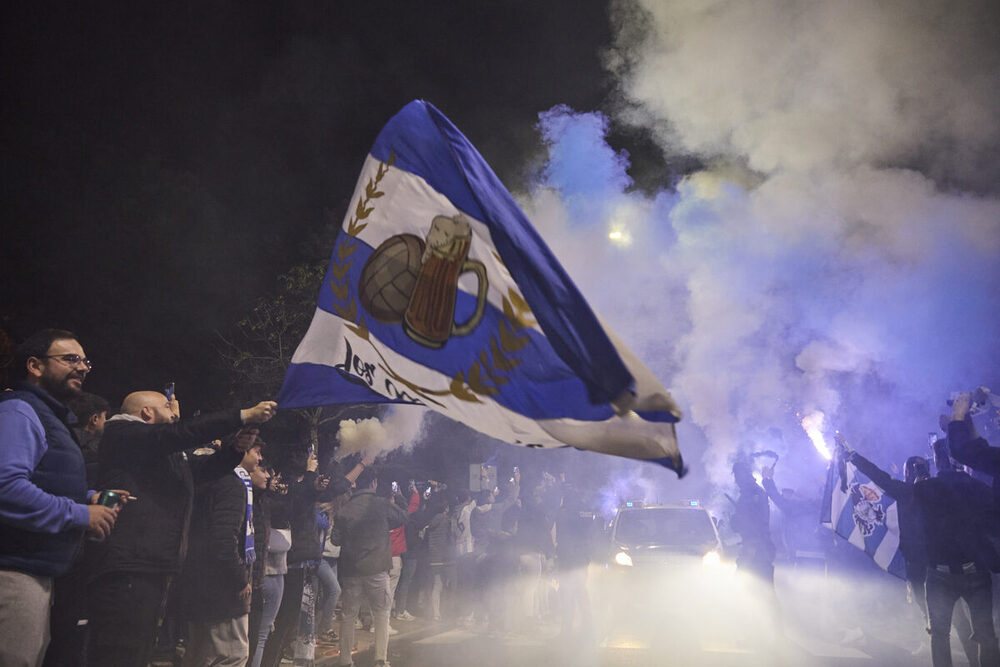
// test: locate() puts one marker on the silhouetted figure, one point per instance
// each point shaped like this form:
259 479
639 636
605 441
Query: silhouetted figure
956 513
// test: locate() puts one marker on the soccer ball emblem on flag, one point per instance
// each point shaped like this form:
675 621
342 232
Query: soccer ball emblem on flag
417 283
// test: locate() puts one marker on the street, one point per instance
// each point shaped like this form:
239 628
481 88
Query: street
827 621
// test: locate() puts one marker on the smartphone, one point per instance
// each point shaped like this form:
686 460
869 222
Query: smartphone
395 487
516 470
168 391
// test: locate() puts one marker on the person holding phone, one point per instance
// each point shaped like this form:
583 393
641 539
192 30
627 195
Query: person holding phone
149 450
361 529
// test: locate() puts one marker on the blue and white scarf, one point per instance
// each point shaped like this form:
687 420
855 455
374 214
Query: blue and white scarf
249 555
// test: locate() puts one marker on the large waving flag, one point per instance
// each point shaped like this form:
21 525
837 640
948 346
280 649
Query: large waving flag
441 293
859 511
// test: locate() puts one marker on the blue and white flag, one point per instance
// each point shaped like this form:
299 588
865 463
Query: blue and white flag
441 293
858 510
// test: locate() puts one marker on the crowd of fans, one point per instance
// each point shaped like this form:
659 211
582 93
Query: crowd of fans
949 531
204 544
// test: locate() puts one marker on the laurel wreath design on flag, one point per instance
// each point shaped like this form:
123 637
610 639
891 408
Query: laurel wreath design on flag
484 375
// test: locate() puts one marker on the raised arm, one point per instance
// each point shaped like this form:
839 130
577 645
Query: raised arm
966 446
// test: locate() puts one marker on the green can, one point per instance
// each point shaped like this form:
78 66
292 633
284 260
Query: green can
109 498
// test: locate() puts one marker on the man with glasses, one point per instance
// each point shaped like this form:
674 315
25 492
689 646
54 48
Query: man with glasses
45 506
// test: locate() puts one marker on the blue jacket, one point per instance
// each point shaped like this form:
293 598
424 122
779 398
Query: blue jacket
43 486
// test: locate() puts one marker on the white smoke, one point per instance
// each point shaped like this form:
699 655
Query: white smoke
402 427
839 252
818 85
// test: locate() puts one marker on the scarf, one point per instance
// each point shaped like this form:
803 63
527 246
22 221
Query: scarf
249 555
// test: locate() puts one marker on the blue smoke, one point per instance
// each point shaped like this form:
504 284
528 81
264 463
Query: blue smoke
867 295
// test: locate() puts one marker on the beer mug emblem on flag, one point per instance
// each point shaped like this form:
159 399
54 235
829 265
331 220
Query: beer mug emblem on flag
429 318
409 282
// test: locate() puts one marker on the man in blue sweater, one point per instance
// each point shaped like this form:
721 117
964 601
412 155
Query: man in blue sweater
45 506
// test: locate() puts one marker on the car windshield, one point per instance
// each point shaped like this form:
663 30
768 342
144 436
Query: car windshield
665 526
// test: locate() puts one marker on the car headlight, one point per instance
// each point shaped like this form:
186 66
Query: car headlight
622 558
713 562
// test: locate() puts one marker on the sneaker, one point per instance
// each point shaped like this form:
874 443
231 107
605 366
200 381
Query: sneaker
393 631
406 616
328 637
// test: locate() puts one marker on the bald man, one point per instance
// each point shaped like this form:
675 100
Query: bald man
149 448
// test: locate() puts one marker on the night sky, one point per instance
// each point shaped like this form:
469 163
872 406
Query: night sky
163 163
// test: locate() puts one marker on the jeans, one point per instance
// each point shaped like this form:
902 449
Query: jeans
437 571
574 600
286 622
405 578
272 589
327 574
394 574
531 584
304 646
375 589
943 590
465 584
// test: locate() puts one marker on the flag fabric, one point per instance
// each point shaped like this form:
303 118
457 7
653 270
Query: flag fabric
858 510
441 293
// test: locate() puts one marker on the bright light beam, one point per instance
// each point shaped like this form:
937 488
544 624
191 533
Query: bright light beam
812 424
620 236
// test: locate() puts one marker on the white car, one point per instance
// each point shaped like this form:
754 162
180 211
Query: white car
664 567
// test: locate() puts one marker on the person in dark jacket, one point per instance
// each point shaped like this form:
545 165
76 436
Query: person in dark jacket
440 535
91 413
911 535
143 449
361 528
215 584
44 499
971 449
304 490
956 513
260 478
69 592
751 519
576 533
408 557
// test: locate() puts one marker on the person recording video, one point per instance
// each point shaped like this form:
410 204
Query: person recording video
143 450
968 447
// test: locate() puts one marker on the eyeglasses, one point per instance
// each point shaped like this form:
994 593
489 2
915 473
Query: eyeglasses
71 359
